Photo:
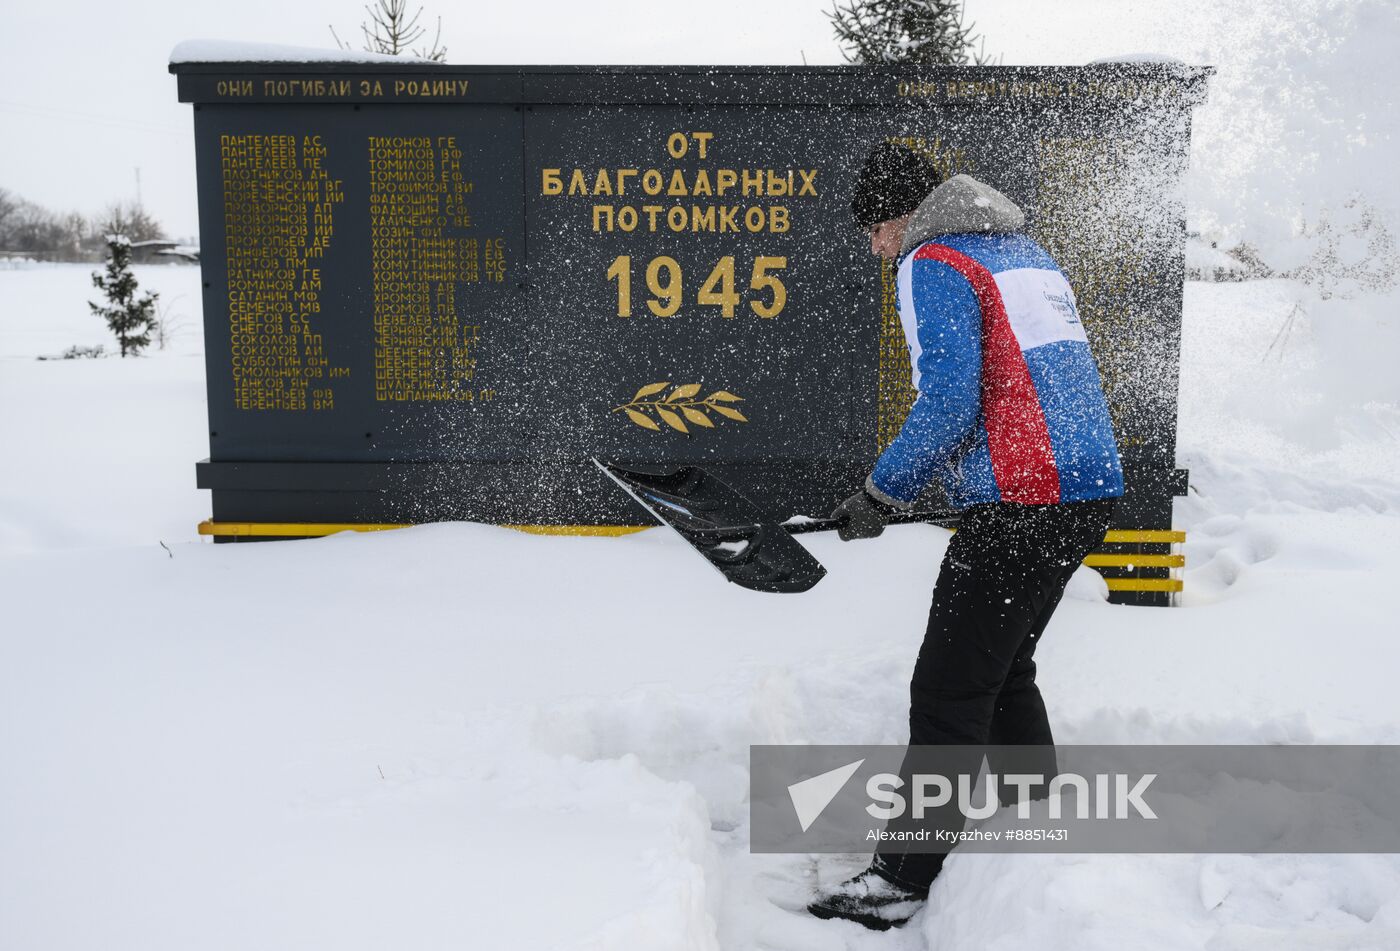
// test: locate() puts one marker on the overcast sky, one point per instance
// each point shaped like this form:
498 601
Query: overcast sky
86 98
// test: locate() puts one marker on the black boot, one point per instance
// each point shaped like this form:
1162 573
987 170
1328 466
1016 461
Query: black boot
871 900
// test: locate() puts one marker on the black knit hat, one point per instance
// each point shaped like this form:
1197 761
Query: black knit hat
893 182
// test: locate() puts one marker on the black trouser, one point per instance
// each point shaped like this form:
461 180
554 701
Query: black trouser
974 682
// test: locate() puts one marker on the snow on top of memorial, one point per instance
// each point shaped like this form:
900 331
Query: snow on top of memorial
238 51
1138 58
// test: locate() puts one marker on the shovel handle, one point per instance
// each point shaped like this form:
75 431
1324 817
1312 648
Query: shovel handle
944 518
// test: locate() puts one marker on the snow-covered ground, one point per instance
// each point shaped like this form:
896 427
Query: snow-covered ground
458 736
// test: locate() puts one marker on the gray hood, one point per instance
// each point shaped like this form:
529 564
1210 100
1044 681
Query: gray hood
959 205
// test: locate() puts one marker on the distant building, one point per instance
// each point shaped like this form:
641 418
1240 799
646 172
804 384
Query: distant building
163 252
1205 261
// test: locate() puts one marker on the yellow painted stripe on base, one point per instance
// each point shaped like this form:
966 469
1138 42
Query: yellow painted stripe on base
300 529
611 531
321 529
1144 535
1143 584
1135 561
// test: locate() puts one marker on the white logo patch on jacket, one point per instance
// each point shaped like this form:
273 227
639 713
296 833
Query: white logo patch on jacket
1040 305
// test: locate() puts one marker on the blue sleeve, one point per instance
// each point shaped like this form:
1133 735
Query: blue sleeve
949 325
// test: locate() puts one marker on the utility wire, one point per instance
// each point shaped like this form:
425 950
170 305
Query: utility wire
49 112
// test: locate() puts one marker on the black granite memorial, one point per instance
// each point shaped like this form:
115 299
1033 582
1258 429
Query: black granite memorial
433 292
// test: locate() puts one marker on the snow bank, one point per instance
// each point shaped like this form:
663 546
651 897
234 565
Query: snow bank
234 51
463 736
1220 902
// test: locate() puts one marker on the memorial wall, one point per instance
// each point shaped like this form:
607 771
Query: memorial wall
434 292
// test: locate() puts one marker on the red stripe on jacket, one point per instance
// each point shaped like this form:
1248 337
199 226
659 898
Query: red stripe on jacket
1023 461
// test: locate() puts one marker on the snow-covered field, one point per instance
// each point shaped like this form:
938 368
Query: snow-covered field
458 736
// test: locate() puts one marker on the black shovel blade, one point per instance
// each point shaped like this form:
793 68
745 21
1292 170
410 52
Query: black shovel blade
722 525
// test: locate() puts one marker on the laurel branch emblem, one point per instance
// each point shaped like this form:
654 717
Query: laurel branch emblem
679 406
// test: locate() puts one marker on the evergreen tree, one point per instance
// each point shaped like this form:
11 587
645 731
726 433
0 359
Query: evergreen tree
130 319
392 31
903 31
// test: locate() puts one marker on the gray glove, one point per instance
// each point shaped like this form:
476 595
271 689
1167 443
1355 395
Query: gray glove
860 516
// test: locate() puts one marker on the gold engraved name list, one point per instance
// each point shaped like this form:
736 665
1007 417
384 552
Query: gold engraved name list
417 193
279 206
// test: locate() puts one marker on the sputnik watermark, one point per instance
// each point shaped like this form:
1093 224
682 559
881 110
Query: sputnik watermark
1105 798
811 796
1113 796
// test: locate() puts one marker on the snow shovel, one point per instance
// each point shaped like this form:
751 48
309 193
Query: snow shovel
728 529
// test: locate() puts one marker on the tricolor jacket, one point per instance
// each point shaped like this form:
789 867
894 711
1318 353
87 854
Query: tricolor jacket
1009 405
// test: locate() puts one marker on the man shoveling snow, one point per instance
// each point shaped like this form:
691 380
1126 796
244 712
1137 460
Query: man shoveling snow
1011 417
